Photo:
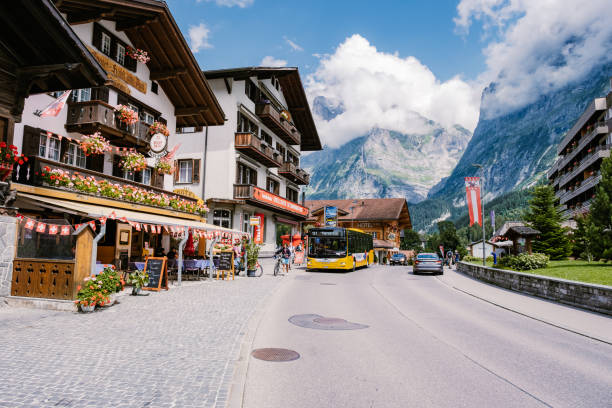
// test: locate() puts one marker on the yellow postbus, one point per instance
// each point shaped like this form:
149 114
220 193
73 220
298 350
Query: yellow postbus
339 248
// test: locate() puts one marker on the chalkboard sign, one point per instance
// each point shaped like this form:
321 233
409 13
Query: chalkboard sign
158 274
226 263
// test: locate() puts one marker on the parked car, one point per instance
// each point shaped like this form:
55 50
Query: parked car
398 259
428 262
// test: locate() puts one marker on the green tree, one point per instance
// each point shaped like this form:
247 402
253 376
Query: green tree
411 240
433 242
601 212
448 235
544 216
585 237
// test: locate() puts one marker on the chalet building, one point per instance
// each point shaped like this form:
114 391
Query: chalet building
114 52
252 163
384 218
575 175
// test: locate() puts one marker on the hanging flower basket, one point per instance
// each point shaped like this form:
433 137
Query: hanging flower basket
95 144
133 161
137 54
126 114
164 166
158 127
9 156
285 115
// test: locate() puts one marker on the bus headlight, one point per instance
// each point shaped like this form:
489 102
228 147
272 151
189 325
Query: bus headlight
342 263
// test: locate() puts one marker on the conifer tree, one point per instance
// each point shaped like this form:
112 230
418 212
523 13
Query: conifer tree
585 237
601 212
544 216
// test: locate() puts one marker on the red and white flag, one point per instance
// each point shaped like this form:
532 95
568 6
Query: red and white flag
65 230
472 189
54 107
137 226
41 227
30 224
53 229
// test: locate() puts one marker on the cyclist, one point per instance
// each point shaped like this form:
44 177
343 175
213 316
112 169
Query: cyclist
285 254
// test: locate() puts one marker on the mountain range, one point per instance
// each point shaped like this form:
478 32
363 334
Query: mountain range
515 149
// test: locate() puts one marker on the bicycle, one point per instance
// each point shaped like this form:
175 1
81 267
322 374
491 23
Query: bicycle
277 264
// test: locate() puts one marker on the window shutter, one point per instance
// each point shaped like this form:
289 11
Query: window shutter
158 179
65 144
130 63
176 171
138 176
117 172
31 139
196 171
97 37
95 163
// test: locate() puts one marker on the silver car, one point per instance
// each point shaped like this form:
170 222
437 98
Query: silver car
428 262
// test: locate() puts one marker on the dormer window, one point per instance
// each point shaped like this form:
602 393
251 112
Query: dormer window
120 54
106 44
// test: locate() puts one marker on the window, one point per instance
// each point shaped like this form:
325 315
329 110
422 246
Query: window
106 44
81 95
222 218
266 138
186 130
250 89
374 234
75 156
282 151
154 87
272 185
246 226
49 148
185 171
246 125
120 57
292 195
146 176
129 175
246 175
147 118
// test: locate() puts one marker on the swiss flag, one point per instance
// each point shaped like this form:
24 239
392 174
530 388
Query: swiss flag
30 224
55 107
53 229
137 226
65 230
145 227
41 227
472 189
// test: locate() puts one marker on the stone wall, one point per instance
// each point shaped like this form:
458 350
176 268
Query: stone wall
584 295
8 231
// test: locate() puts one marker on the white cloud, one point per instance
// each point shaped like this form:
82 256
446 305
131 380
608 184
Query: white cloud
293 45
231 3
269 61
539 46
377 89
198 37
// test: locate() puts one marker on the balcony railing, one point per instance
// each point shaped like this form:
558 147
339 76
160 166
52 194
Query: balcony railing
584 186
251 146
600 128
596 154
91 116
294 173
30 174
282 127
243 191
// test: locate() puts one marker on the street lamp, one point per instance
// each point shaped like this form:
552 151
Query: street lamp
484 257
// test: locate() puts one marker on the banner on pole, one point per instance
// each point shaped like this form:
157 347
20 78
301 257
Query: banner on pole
472 189
493 220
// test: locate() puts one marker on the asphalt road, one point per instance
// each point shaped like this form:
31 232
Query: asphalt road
426 345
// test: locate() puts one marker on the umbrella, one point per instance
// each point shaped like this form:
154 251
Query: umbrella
189 249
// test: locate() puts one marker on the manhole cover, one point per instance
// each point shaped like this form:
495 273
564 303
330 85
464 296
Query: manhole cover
313 321
275 354
329 284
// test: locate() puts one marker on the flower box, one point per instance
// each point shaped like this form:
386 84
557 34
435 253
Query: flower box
126 114
133 161
95 144
137 54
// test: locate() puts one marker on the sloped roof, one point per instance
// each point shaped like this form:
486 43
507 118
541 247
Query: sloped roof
293 90
524 230
366 208
518 227
150 26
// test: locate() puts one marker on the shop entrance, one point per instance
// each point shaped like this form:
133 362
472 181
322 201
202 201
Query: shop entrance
282 229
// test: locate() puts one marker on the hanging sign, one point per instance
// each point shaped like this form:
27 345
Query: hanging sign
253 221
258 230
330 216
157 146
158 273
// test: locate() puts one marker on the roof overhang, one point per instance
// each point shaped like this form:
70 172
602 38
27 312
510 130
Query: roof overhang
293 90
150 26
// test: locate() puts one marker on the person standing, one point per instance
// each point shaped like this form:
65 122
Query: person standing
285 254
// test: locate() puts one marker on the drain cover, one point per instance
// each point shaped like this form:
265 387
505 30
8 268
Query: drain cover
275 354
313 321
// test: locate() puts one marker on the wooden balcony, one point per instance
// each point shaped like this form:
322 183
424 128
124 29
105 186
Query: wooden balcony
282 127
243 191
290 171
92 116
251 146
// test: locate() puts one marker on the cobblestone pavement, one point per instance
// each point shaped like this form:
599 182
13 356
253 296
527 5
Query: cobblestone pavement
168 349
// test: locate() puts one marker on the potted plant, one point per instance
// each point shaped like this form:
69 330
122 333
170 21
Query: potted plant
252 252
90 294
134 161
137 54
138 279
9 155
111 283
95 144
163 166
126 114
158 127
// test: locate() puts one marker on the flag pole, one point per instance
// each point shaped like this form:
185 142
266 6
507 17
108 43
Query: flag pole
482 209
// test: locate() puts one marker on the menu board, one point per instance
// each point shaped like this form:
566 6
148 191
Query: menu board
226 261
158 274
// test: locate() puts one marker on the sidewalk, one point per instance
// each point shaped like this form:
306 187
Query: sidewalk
169 349
594 325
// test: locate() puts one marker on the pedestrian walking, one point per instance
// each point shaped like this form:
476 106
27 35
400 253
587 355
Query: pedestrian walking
285 254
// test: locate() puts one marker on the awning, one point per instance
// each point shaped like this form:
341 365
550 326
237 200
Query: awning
97 211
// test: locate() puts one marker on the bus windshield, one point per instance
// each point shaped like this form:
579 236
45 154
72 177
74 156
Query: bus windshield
327 247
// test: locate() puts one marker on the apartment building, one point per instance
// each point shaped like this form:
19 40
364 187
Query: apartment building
575 174
251 165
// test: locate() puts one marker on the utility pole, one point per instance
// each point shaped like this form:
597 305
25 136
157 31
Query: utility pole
484 257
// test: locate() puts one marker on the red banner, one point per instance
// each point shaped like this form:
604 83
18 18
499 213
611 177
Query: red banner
472 189
258 230
279 202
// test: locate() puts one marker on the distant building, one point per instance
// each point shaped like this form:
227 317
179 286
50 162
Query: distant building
575 174
384 218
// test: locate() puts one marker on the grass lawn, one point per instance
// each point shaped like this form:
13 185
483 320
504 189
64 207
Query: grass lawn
582 271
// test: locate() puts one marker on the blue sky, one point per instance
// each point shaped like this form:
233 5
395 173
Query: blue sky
244 36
